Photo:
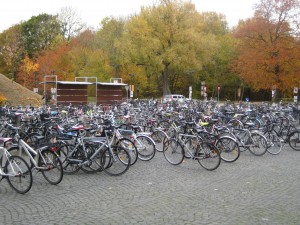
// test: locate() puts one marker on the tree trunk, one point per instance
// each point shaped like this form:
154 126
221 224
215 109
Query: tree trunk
166 85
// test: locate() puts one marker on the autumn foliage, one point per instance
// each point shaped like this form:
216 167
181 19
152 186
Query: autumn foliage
269 50
167 47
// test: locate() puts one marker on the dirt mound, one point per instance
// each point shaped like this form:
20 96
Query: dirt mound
16 94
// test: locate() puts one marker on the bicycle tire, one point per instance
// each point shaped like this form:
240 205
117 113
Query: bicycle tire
53 172
208 156
116 164
229 149
173 152
68 166
235 123
95 164
131 148
89 166
275 143
258 144
22 181
145 146
165 125
294 140
15 150
159 138
193 144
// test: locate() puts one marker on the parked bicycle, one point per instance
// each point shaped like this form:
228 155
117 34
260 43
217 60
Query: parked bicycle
14 169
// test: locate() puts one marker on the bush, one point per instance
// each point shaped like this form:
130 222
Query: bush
3 99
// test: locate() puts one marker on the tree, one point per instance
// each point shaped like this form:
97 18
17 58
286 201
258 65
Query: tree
70 22
56 60
108 40
168 36
39 33
26 73
268 46
11 51
217 71
87 59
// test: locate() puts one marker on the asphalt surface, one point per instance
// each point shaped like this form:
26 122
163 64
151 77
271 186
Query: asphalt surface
252 190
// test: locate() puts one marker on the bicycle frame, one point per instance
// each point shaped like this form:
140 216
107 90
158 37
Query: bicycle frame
105 144
29 151
247 136
185 147
6 155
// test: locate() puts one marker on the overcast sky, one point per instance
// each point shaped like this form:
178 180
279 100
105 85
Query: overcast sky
93 11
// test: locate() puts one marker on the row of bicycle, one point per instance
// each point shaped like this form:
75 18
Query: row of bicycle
55 145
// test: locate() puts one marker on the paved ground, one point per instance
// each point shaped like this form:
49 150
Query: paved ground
253 190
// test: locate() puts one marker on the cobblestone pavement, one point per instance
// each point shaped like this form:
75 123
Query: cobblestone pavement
253 190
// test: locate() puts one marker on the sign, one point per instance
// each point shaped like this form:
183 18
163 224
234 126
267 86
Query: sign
53 90
131 87
131 94
295 99
35 90
190 92
247 99
295 90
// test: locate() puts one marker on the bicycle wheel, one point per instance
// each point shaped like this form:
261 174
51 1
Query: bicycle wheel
192 144
229 149
115 162
159 137
15 150
52 167
19 175
275 143
165 125
235 123
69 167
94 164
173 151
294 140
208 156
257 144
130 147
145 146
89 166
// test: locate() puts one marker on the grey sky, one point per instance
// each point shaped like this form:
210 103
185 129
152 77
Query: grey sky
93 11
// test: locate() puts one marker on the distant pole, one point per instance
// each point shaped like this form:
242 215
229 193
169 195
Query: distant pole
295 95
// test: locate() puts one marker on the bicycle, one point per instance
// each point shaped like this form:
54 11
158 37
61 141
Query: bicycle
116 138
205 153
251 140
294 140
145 145
15 170
278 134
43 159
112 159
